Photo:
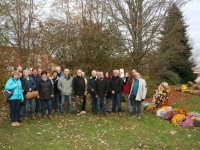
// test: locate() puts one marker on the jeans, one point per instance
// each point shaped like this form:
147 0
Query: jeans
93 102
101 100
116 100
109 104
22 109
37 107
84 103
32 103
138 105
47 102
63 97
128 103
55 102
14 110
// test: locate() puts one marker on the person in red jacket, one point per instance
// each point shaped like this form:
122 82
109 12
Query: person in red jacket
126 91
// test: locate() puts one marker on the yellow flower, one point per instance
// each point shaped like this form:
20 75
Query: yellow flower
183 87
149 107
177 118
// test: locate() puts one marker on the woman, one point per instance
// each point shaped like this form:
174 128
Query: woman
108 97
126 91
46 93
56 91
28 85
14 84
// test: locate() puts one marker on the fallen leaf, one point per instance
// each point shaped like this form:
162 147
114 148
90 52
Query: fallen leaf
173 132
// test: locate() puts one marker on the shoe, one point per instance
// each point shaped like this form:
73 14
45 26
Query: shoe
13 124
82 113
120 114
105 114
25 118
134 116
33 117
61 113
139 117
56 110
44 117
17 123
112 114
50 117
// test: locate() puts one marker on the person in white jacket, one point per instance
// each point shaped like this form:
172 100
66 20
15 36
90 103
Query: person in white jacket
137 94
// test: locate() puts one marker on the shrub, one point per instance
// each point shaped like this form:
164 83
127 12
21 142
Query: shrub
171 77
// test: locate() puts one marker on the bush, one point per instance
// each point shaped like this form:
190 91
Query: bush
171 77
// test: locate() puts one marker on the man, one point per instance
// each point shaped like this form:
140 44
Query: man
132 77
93 98
97 74
58 69
79 90
39 72
137 94
60 74
65 87
101 90
19 68
30 71
116 84
36 78
85 95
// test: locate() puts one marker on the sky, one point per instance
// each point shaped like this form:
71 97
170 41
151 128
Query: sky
191 12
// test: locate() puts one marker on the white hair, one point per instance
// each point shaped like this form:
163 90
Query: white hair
58 67
26 71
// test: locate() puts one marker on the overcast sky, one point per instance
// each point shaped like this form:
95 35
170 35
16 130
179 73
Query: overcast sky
191 11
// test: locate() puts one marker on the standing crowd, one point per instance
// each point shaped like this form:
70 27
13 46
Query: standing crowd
105 93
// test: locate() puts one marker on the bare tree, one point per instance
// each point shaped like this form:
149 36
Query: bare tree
140 22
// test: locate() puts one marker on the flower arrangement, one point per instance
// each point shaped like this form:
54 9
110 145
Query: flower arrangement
150 108
186 122
191 91
159 111
162 95
185 110
183 88
155 110
177 118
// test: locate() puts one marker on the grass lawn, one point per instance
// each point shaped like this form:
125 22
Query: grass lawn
92 132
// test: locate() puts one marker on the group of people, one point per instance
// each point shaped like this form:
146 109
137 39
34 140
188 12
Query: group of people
105 92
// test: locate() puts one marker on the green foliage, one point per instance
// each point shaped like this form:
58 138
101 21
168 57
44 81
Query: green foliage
174 46
171 77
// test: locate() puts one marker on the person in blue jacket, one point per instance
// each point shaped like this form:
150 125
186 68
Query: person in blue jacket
15 84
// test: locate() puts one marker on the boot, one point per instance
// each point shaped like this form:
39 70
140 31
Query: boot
44 117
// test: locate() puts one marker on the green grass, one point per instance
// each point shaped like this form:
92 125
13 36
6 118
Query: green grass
92 132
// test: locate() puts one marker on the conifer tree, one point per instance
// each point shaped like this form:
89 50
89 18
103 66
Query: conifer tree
175 47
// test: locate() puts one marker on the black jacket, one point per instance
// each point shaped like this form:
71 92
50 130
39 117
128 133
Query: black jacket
55 86
116 84
45 89
78 85
101 87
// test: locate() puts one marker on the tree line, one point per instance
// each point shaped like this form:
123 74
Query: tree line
149 36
